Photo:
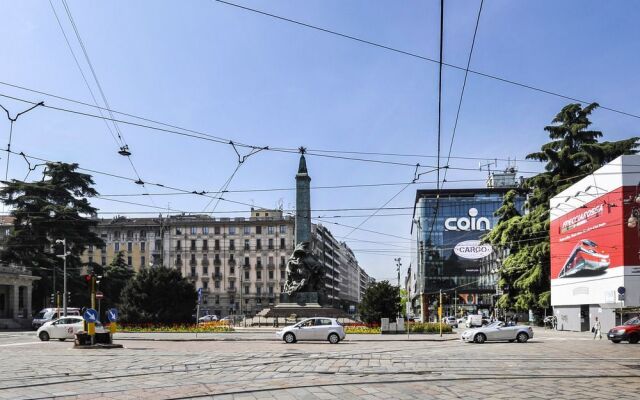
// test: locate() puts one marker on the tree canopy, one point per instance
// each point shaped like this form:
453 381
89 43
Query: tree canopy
380 300
572 153
45 211
159 295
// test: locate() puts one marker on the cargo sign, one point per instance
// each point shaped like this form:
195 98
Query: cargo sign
472 249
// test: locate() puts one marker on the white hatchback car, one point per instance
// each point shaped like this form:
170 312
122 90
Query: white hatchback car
313 329
64 328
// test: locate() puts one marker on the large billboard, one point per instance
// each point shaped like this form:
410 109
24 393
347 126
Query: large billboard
592 247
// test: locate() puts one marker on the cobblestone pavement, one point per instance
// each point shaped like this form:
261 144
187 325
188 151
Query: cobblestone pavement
557 365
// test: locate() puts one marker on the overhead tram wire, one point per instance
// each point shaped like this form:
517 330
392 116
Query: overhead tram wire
122 142
208 137
423 58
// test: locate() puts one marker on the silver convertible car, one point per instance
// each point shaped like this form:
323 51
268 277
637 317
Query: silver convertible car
498 331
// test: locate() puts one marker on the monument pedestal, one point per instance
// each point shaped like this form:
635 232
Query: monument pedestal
305 305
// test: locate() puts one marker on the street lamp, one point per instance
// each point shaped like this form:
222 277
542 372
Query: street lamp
64 274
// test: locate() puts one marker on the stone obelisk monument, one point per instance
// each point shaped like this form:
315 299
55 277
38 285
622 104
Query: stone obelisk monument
303 201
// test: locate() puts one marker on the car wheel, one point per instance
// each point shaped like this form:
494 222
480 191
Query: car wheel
334 338
616 340
633 338
480 338
44 336
289 337
522 337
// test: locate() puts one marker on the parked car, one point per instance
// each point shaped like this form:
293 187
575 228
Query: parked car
50 314
208 318
630 332
498 331
64 328
451 321
313 329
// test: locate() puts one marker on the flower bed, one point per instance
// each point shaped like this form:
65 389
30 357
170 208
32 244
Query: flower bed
361 329
428 327
204 327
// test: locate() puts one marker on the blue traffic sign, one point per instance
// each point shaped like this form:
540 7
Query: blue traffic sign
621 290
90 315
112 315
199 295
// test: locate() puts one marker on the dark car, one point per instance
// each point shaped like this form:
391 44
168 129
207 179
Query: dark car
630 332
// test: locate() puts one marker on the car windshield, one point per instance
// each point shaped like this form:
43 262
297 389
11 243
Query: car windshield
40 315
496 324
633 321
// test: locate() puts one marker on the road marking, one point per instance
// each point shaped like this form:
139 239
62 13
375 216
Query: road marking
19 344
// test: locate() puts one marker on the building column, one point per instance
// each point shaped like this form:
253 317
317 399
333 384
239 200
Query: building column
15 301
27 303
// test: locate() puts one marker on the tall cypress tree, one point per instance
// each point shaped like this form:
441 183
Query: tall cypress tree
44 211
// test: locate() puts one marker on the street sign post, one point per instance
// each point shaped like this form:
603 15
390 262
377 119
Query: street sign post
91 316
112 316
198 309
99 295
621 292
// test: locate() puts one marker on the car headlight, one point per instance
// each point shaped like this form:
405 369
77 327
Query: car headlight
621 330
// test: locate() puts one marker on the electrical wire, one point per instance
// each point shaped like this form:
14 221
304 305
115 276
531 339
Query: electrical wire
424 58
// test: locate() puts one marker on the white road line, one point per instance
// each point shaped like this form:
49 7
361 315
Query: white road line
19 344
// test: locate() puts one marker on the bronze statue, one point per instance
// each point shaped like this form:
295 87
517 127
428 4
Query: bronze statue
304 272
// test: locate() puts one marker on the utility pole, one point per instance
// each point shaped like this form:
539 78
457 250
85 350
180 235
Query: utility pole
440 312
64 273
398 265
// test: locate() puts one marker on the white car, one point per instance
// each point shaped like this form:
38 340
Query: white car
51 314
313 329
498 331
64 328
451 321
208 318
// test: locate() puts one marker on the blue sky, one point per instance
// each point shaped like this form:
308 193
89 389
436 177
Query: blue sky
238 75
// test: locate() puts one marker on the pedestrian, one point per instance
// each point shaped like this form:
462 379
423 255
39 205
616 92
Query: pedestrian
597 329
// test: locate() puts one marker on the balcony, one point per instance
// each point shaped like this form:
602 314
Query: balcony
246 266
193 276
217 262
217 276
205 262
205 278
271 266
232 278
178 262
232 289
259 266
232 248
232 261
193 263
270 248
283 266
205 248
247 248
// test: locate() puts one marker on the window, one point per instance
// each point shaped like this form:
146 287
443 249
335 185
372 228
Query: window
281 274
232 230
232 270
143 234
129 247
270 260
258 230
232 284
129 234
116 247
216 257
246 244
231 257
246 275
282 260
217 270
283 243
178 258
205 285
270 244
258 274
232 244
178 231
142 262
194 230
216 285
116 235
193 259
90 248
247 230
178 245
258 244
143 246
102 235
218 300
129 261
158 244
216 230
271 230
246 261
271 290
258 290
193 245
283 229
259 261
205 244
205 230
216 244
205 270
246 288
103 261
193 271
90 259
270 274
281 288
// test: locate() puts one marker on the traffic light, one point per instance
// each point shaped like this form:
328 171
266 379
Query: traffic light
68 298
52 299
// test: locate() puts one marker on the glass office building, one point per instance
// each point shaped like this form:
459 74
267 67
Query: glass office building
449 253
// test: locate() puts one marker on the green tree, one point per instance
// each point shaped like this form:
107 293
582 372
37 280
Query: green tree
572 153
380 300
115 277
159 295
45 211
